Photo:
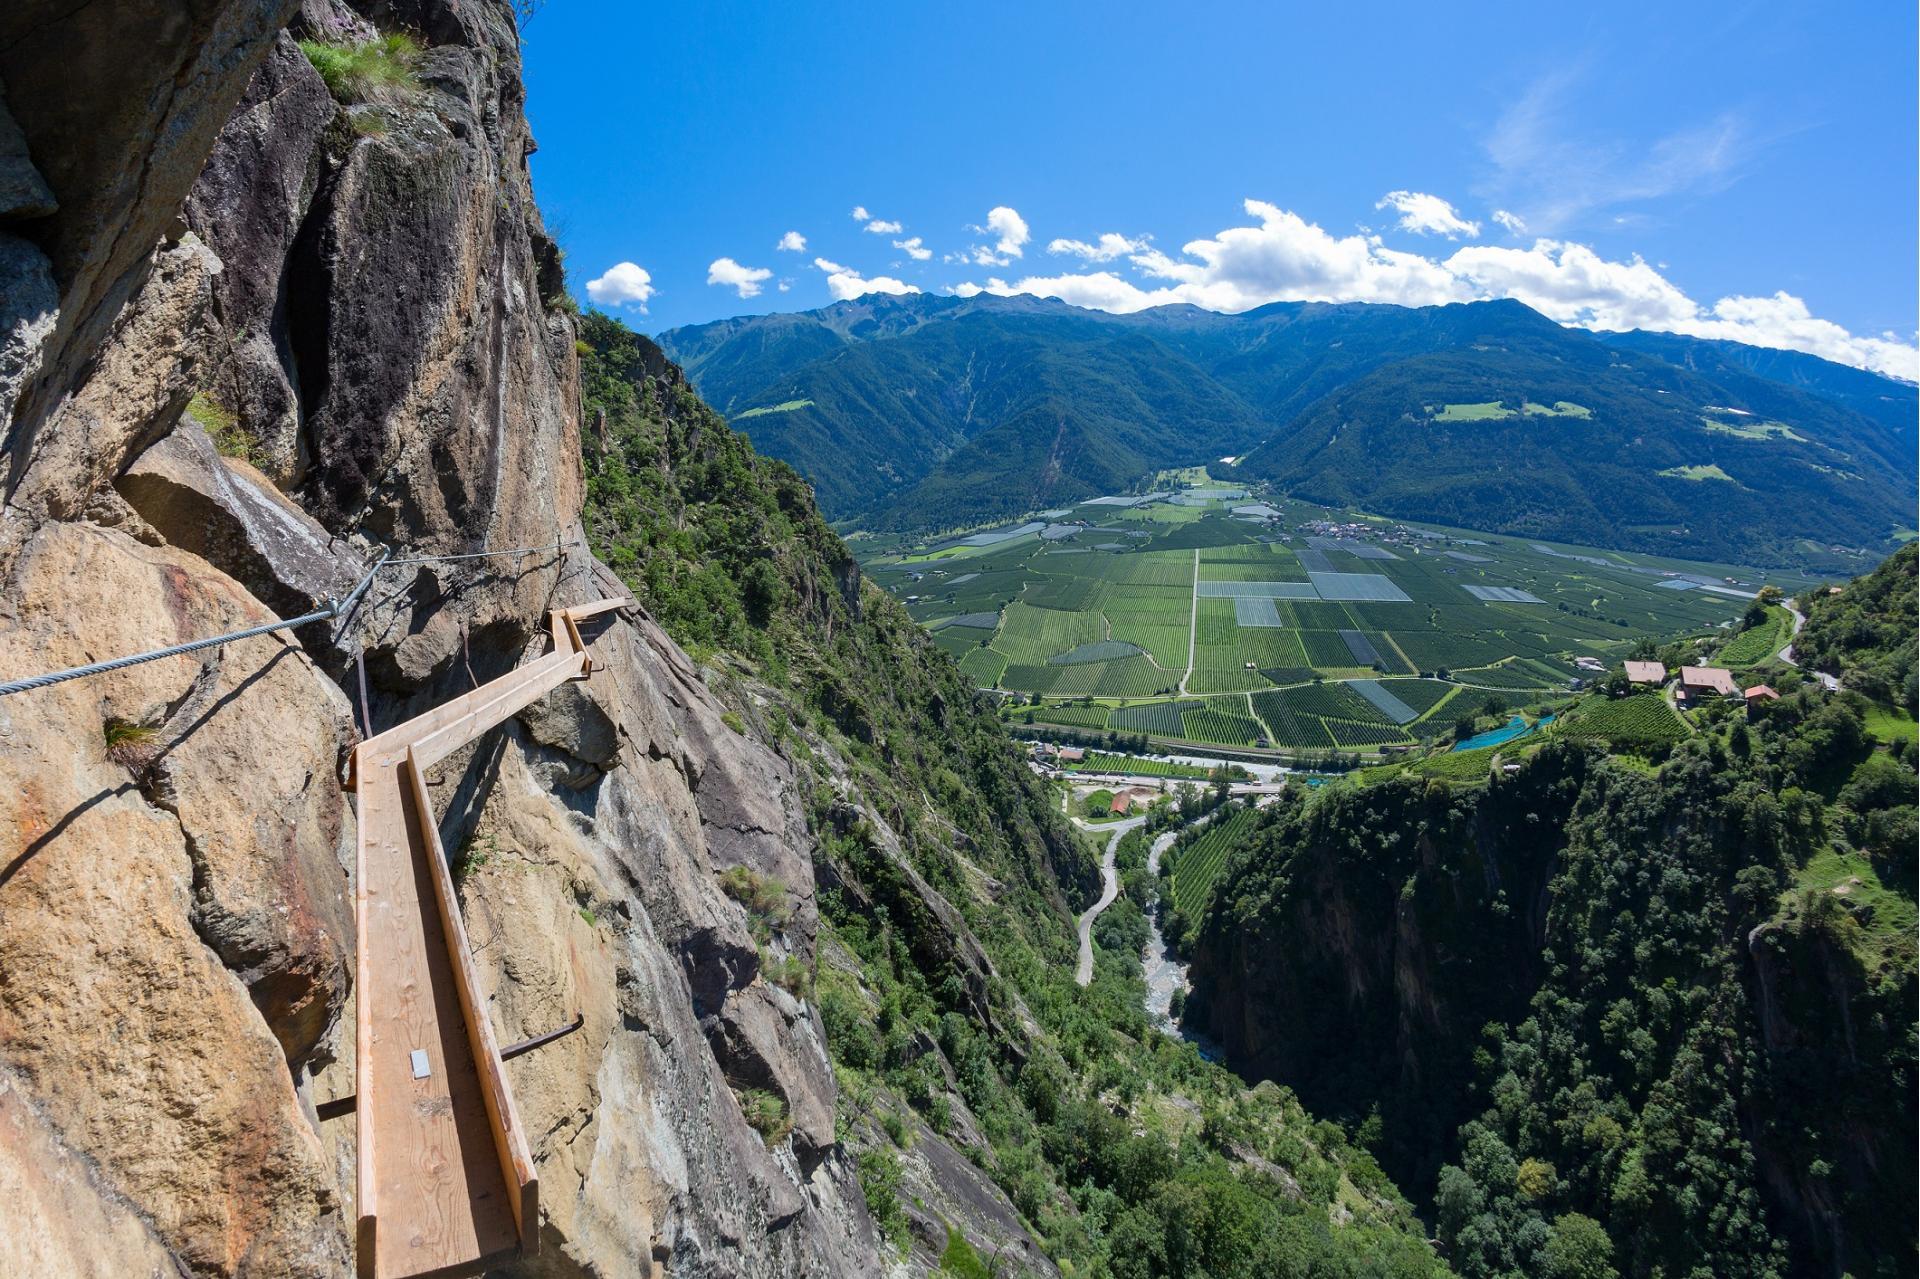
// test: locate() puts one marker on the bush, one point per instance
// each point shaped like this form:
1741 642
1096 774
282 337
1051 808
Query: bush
376 70
880 1186
764 897
766 1114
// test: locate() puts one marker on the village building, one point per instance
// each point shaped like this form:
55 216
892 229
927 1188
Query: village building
1759 695
1702 683
1646 673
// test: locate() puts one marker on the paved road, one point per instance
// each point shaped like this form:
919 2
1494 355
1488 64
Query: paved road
1799 620
1110 889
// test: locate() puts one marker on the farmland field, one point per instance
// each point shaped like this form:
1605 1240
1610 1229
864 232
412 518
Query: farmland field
1197 865
1641 720
1195 609
1139 767
1749 648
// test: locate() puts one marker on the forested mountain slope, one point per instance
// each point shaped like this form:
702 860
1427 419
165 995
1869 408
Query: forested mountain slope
927 412
1893 404
1863 633
1607 1018
800 909
947 880
1553 435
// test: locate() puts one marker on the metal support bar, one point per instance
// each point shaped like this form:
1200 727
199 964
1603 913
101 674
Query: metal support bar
344 1105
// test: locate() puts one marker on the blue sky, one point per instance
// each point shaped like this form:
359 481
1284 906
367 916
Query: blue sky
1745 171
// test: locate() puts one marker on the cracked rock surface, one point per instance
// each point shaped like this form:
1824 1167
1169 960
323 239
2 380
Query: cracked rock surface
374 308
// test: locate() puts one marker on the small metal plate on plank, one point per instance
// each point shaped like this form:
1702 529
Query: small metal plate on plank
420 1069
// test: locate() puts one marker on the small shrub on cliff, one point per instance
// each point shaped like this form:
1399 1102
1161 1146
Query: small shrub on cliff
221 426
789 973
130 745
766 1114
880 1185
764 897
378 70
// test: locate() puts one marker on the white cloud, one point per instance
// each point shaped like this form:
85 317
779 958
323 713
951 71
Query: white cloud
1425 214
784 285
1010 234
744 280
860 213
1286 258
844 283
914 248
879 226
1010 227
792 242
1108 247
1511 221
624 284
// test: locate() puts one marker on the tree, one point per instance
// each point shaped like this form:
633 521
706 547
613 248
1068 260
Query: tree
1577 1248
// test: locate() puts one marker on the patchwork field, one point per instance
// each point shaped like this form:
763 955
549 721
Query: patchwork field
1245 621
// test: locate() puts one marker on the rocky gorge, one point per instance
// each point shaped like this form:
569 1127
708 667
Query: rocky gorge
256 334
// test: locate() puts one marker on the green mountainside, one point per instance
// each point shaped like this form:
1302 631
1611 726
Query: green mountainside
1619 474
1603 1016
922 413
948 884
1864 632
1893 404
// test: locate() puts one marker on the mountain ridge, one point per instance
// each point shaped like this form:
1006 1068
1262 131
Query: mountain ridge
917 413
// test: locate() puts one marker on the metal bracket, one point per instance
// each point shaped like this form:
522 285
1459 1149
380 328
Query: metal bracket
345 1105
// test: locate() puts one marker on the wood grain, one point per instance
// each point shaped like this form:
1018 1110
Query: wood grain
445 1183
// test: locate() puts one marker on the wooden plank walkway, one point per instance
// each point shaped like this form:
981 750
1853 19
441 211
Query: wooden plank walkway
445 1182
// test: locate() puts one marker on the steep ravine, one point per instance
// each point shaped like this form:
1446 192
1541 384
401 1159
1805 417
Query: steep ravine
364 296
813 910
1604 975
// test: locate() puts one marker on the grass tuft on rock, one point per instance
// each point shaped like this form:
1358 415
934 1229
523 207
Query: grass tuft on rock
382 69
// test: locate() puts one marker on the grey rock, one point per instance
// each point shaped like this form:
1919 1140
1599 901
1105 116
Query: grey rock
119 103
226 512
29 308
572 721
23 192
249 205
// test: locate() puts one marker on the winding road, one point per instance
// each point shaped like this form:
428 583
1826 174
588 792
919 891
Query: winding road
1799 620
1109 889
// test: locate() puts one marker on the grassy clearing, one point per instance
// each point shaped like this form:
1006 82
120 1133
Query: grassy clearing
1891 724
787 406
1561 408
1750 430
1491 411
1697 473
1883 922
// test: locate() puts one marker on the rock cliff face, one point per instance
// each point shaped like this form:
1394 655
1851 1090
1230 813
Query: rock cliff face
1405 922
265 336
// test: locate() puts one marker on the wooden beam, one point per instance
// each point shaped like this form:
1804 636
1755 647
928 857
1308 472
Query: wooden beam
510 1142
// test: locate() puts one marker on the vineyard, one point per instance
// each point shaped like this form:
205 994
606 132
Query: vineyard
1749 648
1197 865
1347 733
1644 719
1071 716
1220 727
1288 727
1132 764
1160 718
